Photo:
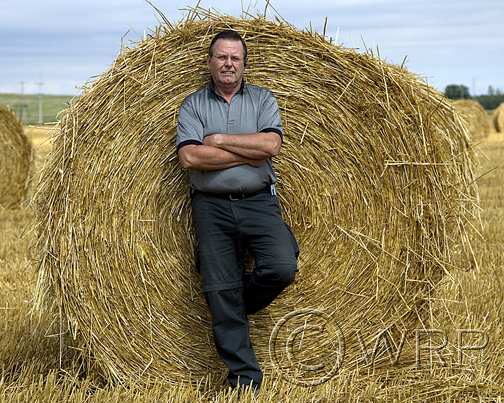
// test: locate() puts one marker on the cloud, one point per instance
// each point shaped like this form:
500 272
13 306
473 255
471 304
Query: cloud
74 40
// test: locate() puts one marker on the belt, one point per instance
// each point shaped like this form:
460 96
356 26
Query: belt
270 189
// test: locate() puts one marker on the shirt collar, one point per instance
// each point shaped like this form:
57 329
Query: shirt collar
212 87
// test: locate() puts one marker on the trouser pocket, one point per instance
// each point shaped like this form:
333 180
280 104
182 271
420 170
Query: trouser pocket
293 239
197 259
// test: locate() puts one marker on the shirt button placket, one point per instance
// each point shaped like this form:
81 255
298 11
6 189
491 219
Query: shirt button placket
230 120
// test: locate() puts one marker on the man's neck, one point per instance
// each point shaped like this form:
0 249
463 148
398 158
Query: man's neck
227 93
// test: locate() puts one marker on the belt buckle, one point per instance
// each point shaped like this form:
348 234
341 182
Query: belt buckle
232 198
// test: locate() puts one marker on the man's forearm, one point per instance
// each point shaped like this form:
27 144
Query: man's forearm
209 158
256 146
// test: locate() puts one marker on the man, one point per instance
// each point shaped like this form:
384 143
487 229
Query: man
226 135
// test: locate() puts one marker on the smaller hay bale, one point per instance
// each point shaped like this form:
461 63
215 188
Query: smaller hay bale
476 117
498 118
16 157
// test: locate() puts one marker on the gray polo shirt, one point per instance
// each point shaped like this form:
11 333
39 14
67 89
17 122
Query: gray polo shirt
252 109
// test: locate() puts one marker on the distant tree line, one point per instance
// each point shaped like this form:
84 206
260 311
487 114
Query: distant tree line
490 101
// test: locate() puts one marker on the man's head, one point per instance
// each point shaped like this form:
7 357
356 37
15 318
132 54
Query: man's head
228 35
226 60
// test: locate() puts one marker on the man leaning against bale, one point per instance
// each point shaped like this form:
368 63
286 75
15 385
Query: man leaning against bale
226 135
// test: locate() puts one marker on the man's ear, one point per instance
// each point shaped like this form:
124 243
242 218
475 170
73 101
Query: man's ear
208 61
246 62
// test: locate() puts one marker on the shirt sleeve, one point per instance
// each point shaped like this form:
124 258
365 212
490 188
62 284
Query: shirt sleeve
189 126
269 116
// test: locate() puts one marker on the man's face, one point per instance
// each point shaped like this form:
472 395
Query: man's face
227 64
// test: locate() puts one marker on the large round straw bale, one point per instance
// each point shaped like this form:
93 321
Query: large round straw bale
498 118
16 156
375 179
476 118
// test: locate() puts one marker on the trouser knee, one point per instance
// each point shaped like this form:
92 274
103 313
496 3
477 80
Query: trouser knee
282 273
287 274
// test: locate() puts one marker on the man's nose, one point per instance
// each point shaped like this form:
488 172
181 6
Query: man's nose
228 61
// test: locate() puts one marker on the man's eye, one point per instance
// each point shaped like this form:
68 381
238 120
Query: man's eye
234 59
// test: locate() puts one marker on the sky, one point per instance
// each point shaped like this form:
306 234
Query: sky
56 46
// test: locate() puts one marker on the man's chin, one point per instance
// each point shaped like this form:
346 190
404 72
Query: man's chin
228 83
228 79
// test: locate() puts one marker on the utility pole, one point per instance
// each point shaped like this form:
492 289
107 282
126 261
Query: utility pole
474 86
40 83
21 112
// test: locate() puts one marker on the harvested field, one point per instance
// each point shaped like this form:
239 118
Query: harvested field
37 366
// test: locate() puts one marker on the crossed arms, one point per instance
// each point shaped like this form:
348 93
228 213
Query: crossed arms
221 151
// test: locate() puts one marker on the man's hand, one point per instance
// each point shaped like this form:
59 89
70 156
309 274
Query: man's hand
256 163
211 140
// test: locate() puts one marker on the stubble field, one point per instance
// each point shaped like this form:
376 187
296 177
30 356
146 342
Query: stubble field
37 364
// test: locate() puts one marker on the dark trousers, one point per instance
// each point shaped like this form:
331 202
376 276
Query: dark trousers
225 229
